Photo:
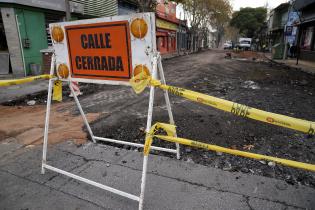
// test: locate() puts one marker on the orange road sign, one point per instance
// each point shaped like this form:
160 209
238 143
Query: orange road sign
100 50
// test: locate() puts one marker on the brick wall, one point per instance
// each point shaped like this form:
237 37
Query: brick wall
46 62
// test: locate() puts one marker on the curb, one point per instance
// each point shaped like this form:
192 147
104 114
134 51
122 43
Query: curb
298 68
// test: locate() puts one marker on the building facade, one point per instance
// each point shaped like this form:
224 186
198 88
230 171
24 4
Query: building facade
25 44
182 37
276 24
25 39
167 26
306 38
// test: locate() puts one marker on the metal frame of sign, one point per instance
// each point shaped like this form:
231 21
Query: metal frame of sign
155 65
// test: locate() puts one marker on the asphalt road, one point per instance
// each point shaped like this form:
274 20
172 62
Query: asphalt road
258 84
200 180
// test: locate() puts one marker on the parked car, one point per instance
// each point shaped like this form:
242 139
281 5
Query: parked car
227 45
245 43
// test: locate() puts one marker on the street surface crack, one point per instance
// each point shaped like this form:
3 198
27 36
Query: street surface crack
54 189
189 182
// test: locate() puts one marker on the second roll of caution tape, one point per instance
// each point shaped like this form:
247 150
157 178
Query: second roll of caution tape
140 81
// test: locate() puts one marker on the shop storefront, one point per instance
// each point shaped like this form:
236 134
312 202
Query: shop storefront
166 27
306 41
166 36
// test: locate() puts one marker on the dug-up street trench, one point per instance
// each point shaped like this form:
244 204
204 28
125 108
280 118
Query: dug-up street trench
201 179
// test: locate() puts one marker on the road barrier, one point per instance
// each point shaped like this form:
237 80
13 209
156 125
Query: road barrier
170 130
24 80
84 61
140 81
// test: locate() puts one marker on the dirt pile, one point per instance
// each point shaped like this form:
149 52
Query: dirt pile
26 124
250 55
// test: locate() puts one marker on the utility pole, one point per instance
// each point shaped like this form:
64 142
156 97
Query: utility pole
68 14
285 52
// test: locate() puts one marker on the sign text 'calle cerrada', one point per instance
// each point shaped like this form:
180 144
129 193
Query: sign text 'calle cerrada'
104 50
100 50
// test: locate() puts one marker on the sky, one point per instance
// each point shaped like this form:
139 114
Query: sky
237 4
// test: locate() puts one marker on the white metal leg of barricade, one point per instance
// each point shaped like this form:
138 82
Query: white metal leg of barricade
57 170
149 123
96 184
134 144
167 101
86 122
52 67
143 181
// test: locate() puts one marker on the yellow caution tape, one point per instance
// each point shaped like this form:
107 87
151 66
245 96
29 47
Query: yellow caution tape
140 81
171 138
57 95
24 80
170 130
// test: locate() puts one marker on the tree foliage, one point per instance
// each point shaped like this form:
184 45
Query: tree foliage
203 13
249 20
231 33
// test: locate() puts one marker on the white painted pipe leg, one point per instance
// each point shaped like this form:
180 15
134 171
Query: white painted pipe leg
168 103
46 126
149 123
143 181
86 122
52 66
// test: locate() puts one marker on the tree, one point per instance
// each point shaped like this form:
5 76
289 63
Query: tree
202 14
207 13
249 20
231 33
222 11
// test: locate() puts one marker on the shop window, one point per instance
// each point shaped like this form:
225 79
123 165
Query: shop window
307 38
160 42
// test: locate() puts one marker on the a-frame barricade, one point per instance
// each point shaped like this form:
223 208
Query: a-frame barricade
157 70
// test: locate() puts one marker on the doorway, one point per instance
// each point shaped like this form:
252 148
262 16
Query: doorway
4 52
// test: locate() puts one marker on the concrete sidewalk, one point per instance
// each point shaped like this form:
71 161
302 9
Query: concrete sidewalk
171 183
10 93
306 66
